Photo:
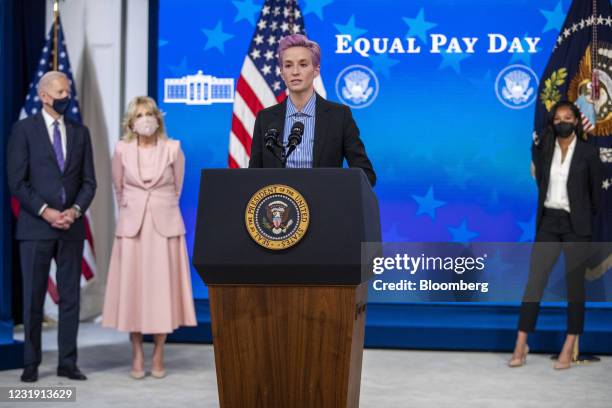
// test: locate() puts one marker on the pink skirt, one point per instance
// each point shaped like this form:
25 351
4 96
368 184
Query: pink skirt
148 289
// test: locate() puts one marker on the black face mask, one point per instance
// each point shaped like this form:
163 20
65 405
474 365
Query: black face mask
61 105
564 129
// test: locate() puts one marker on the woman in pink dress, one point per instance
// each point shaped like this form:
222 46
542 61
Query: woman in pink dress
149 287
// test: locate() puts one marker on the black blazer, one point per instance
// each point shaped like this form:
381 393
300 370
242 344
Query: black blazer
336 137
583 182
35 178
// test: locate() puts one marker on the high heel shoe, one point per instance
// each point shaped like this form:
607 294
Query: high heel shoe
519 362
573 349
562 366
158 374
137 375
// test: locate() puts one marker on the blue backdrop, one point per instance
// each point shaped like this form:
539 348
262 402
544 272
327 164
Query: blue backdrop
452 158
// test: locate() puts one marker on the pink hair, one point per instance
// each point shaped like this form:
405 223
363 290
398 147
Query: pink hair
299 40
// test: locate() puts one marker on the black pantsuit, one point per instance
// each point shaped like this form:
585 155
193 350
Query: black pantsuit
558 235
570 230
336 137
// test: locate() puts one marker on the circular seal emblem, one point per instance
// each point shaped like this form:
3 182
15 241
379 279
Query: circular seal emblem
277 217
357 86
516 86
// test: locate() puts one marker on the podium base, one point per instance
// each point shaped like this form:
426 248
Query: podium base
288 346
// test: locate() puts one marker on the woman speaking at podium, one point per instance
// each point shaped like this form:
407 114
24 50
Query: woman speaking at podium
149 285
328 133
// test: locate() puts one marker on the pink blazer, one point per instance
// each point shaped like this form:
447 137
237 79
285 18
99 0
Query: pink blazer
160 196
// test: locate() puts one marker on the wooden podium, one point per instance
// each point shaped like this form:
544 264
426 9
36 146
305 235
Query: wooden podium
288 325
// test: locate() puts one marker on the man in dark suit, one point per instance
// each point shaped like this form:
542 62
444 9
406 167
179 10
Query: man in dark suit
51 173
330 133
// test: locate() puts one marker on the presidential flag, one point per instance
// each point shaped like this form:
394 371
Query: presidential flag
32 106
580 70
260 85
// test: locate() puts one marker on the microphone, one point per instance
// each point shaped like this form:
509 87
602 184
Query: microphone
295 137
271 136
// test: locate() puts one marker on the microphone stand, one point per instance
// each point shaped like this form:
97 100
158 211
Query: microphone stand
286 150
284 157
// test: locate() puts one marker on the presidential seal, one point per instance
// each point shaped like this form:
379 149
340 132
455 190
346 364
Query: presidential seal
277 217
357 86
516 86
594 100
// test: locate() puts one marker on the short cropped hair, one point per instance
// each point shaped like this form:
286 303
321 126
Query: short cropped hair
49 77
299 40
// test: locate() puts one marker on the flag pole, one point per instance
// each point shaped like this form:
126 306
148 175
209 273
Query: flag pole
576 356
594 76
55 32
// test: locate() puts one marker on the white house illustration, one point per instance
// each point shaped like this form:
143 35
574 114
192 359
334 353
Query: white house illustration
198 89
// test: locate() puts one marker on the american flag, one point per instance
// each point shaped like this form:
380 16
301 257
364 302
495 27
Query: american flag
32 106
260 84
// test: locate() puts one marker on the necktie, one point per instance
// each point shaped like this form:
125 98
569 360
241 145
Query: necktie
59 153
57 145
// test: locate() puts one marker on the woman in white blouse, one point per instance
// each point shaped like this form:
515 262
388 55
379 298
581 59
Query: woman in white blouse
568 173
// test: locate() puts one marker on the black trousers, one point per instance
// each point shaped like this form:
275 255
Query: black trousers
556 231
36 258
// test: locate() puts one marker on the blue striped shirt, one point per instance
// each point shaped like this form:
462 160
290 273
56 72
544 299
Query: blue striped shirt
302 155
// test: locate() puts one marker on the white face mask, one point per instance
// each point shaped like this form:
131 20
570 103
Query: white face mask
146 125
